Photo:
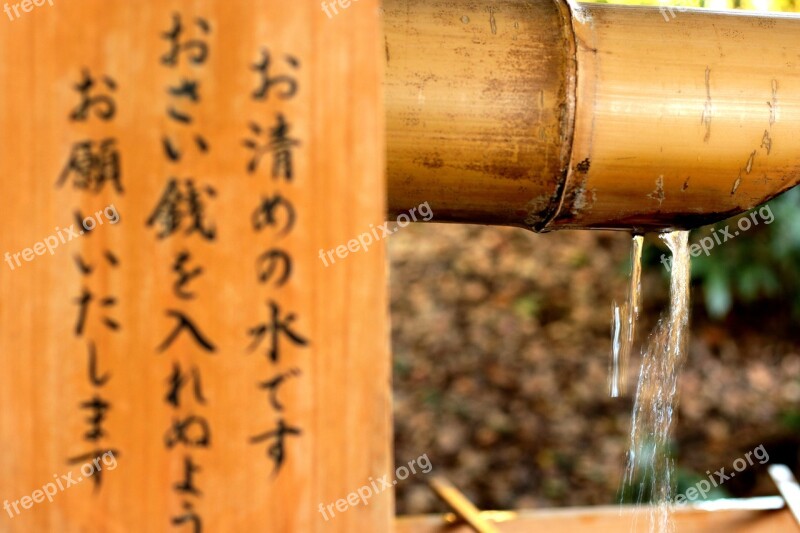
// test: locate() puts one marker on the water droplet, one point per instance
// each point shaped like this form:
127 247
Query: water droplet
624 321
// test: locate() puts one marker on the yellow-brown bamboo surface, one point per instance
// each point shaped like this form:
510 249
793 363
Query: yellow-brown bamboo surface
478 107
666 122
93 356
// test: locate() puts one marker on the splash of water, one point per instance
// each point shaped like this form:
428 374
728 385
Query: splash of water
623 324
649 468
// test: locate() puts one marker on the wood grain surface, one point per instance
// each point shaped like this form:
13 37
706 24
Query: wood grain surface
336 392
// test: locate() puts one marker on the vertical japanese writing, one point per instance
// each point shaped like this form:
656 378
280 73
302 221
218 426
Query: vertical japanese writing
93 167
180 213
274 218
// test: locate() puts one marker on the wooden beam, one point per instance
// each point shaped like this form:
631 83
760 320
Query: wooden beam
612 520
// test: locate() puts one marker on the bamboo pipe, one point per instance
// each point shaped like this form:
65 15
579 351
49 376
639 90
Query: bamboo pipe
535 114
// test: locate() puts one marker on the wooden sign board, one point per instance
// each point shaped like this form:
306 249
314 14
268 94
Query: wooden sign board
175 355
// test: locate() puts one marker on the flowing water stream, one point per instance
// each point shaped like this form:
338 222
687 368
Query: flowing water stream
648 473
623 325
